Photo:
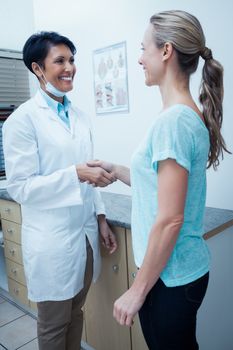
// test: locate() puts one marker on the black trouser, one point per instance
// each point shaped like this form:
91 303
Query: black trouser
168 315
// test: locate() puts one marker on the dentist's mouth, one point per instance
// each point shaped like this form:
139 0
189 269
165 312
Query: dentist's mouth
66 78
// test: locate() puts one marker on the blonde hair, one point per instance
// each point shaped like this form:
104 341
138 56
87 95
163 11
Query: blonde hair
186 35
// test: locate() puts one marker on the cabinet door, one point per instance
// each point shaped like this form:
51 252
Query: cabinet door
103 332
10 211
138 342
13 251
11 231
15 271
18 291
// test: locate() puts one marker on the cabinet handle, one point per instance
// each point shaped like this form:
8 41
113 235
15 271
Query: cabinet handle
14 271
133 274
7 210
12 251
115 268
9 230
16 290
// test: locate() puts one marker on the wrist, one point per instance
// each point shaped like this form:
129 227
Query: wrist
139 290
142 285
101 218
80 171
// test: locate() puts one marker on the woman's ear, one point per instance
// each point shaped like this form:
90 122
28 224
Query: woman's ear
37 70
167 51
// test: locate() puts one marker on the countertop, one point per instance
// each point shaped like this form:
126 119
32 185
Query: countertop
118 212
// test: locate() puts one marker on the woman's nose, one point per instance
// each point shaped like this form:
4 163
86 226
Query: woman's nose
140 60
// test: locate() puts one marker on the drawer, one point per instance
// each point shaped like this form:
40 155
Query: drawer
15 271
10 211
13 251
18 291
11 231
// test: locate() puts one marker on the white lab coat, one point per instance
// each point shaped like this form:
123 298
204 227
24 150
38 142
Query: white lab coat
57 210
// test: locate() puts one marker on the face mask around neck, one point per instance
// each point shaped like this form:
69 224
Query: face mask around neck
51 88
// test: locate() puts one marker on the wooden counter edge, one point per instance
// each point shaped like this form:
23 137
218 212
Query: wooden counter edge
218 229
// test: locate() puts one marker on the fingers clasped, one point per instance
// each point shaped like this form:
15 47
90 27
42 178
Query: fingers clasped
94 175
103 173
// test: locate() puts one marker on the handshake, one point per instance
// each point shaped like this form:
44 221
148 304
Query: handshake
97 173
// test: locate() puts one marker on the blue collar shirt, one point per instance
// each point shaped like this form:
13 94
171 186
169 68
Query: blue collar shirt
61 109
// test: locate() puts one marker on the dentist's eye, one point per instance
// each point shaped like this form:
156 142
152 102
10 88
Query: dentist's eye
60 61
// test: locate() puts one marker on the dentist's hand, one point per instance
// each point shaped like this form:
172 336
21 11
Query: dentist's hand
108 238
95 176
109 167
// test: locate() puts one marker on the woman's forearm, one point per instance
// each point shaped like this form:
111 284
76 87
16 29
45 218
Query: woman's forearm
161 243
122 173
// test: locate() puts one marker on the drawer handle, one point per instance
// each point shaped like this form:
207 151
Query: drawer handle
133 274
16 290
115 268
12 251
7 210
14 271
9 230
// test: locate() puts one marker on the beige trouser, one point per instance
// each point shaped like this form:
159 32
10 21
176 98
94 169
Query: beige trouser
60 323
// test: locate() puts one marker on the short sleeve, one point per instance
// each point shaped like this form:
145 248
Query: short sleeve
172 138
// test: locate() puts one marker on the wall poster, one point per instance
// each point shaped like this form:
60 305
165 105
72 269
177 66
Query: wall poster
111 79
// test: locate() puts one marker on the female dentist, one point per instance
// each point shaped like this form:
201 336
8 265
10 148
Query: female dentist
47 142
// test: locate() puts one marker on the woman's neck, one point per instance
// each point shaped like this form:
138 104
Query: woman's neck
175 90
178 93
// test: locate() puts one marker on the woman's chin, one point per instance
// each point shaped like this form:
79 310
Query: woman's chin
148 82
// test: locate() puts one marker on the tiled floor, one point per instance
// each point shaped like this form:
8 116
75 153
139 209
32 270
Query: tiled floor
17 328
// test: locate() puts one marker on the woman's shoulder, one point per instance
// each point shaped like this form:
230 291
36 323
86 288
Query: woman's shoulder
181 116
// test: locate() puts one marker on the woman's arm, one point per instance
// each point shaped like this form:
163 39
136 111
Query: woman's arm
120 172
172 188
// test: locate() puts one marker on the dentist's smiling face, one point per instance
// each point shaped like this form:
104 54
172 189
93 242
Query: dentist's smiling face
59 68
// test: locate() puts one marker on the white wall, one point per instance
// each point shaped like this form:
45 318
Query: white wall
95 24
16 23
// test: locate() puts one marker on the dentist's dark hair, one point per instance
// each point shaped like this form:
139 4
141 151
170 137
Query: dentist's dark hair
38 45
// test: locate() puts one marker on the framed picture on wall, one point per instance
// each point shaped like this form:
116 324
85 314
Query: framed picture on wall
111 79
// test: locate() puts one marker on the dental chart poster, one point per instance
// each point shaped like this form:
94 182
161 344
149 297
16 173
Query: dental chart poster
111 79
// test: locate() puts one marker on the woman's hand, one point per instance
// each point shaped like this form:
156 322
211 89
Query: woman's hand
127 306
109 167
107 236
120 172
95 175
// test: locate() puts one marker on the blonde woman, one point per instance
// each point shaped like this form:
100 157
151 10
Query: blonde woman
168 179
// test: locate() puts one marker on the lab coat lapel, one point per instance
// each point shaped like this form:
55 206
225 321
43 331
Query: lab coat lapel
40 101
73 120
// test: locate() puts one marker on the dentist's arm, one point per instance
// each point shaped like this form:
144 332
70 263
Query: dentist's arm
25 183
